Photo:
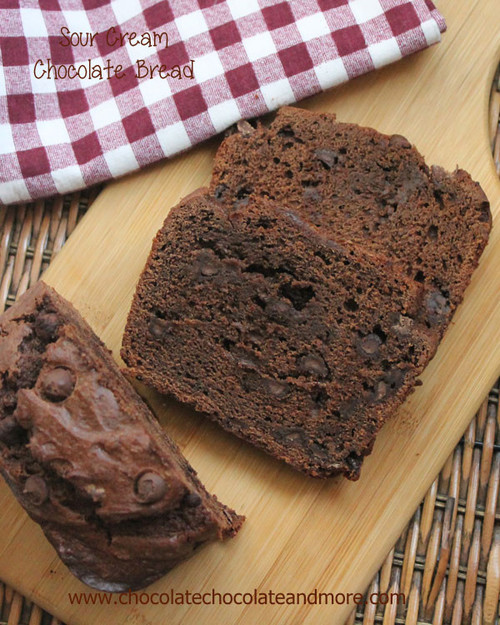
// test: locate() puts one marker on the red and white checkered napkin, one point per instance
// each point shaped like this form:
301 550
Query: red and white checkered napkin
250 56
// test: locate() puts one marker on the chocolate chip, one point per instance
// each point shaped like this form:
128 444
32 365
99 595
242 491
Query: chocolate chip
57 384
255 338
395 378
277 388
313 365
251 381
437 307
329 158
295 218
348 408
403 326
311 194
159 327
398 141
319 451
219 191
380 391
11 433
279 310
46 325
294 436
245 362
439 176
369 344
238 204
207 264
209 269
150 487
36 490
245 128
192 500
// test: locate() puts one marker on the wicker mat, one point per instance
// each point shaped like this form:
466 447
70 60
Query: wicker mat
446 562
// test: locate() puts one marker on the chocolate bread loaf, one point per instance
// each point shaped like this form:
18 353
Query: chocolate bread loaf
86 458
362 186
281 335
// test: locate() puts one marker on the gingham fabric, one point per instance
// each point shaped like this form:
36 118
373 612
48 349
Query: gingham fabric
61 130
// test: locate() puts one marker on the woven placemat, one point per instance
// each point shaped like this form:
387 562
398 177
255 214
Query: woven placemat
447 560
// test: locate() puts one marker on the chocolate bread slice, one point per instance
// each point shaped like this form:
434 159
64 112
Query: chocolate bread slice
284 337
86 458
366 187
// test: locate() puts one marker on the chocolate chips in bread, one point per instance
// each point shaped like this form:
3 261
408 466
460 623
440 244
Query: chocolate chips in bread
365 187
86 458
290 340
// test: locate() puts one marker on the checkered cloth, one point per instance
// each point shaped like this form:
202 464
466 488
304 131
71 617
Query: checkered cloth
61 133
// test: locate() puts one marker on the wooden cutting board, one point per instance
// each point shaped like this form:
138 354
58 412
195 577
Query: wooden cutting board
300 534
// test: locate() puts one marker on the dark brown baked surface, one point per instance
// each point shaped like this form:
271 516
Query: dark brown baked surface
295 343
86 458
365 187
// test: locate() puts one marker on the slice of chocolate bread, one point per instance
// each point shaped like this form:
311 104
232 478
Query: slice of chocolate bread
362 186
282 336
86 458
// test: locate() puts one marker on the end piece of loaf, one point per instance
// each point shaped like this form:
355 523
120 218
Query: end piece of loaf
86 458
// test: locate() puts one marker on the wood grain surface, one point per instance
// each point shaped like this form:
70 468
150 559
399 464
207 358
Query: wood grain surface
300 534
